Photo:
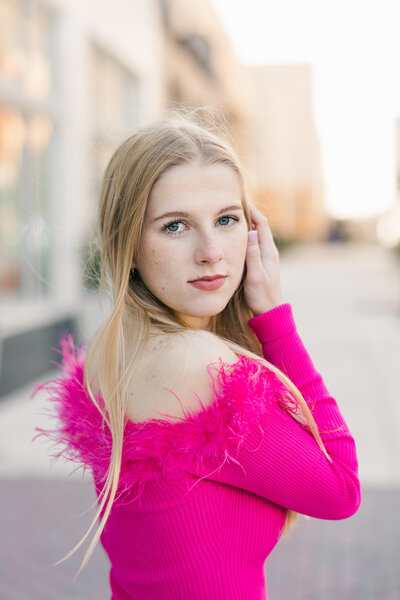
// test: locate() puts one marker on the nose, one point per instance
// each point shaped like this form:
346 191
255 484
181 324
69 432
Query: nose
208 250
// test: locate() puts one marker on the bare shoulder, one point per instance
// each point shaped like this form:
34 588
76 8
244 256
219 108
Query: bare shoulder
201 346
187 355
176 367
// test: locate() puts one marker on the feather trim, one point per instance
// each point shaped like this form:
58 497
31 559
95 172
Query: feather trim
157 449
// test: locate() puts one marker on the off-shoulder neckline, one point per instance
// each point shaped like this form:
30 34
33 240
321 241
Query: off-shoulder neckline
222 375
242 394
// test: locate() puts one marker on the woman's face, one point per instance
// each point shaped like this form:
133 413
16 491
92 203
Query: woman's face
209 239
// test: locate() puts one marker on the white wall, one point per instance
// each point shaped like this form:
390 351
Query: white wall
131 32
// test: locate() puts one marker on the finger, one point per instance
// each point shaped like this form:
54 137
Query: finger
266 240
253 258
253 249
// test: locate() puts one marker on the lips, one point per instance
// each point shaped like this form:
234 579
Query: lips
213 278
208 285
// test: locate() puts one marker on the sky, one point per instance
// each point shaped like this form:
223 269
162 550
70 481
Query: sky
354 49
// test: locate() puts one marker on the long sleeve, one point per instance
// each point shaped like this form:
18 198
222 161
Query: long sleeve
285 464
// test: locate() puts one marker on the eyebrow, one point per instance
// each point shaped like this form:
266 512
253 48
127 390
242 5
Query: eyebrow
179 213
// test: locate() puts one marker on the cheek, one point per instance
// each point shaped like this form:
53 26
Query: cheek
154 260
159 257
239 246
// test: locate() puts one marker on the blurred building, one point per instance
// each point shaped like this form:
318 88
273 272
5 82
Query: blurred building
200 67
76 78
388 223
285 152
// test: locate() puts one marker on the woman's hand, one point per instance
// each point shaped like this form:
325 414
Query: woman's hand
262 286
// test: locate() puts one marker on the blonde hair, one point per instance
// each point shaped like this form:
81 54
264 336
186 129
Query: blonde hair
128 180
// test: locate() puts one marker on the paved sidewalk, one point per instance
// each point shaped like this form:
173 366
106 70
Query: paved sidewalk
41 520
346 303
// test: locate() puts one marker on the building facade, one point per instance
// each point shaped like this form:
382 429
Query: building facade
75 79
284 151
200 67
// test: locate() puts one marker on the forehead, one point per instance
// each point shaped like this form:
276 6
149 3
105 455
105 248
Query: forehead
193 183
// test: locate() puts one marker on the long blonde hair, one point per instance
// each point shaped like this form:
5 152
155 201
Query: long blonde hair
128 180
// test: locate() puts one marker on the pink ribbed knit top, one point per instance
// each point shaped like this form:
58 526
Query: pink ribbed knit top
202 501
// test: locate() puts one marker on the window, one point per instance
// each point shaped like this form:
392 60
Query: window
116 115
26 132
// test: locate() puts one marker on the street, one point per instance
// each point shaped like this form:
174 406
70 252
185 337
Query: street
346 304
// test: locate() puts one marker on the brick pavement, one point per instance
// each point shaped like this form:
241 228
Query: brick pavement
41 520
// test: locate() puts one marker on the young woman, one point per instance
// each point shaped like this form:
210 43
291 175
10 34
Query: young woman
196 406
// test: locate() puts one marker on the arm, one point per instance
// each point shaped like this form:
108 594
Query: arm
281 461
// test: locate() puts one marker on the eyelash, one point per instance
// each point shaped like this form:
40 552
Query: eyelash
176 233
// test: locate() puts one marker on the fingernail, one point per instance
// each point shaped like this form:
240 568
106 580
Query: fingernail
252 236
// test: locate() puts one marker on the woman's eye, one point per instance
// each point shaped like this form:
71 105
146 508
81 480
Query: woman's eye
173 224
227 217
225 223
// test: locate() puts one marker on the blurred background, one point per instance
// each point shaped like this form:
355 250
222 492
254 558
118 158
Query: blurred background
310 93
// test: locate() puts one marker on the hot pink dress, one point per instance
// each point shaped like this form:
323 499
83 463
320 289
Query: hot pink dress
201 502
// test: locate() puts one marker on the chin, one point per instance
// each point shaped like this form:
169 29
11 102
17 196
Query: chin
212 309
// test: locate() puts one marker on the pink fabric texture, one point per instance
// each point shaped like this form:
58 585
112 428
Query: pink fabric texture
202 501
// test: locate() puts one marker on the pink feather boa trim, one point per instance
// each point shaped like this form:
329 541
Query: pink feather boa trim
157 448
